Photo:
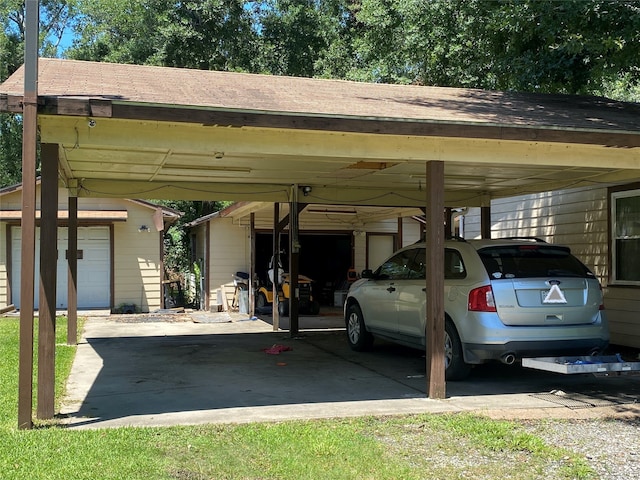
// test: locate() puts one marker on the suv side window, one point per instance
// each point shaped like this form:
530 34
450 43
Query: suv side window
397 267
412 264
453 266
417 268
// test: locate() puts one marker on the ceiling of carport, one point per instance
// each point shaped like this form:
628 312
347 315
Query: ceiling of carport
152 132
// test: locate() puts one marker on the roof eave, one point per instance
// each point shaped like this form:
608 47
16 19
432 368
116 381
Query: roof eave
225 117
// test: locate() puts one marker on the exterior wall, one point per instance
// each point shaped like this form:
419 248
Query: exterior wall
136 255
136 261
4 281
472 223
577 218
229 253
411 231
360 252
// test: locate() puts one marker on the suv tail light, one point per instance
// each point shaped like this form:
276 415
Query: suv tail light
602 301
481 300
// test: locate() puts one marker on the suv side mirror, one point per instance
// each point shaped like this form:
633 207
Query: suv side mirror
367 273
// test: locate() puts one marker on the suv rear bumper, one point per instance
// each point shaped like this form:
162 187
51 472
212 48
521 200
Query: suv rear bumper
480 353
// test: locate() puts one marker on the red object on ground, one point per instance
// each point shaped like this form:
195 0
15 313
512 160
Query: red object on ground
277 349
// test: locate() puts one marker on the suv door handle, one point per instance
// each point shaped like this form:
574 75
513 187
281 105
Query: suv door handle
391 289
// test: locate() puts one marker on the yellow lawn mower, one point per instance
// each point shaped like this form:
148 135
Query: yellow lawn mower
306 303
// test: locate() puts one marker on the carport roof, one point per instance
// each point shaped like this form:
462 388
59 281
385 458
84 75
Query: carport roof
157 132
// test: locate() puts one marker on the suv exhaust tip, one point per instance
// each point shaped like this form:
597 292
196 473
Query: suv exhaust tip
508 358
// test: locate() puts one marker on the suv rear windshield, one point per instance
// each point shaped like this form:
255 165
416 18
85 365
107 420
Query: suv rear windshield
526 261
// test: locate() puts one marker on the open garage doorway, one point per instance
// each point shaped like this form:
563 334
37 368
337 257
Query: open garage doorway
324 257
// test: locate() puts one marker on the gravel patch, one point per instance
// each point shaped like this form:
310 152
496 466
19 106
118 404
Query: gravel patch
611 446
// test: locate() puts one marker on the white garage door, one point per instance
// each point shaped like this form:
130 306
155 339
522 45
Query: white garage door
93 267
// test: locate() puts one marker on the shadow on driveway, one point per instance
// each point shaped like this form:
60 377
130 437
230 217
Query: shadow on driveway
181 373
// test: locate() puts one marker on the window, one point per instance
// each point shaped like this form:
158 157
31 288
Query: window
412 264
417 268
396 267
625 237
529 261
453 266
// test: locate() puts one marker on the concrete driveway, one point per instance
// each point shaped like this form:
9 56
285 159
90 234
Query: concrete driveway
148 370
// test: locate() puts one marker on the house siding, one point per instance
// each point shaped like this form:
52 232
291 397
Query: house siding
577 218
4 281
411 231
137 261
136 255
229 253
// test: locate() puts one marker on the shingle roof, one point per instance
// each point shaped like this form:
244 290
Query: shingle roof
327 98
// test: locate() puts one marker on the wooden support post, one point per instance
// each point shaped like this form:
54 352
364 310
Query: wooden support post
206 269
448 227
72 272
158 226
48 280
275 262
400 233
252 266
485 222
28 225
294 262
435 281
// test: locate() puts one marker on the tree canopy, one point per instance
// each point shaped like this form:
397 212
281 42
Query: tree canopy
567 46
56 17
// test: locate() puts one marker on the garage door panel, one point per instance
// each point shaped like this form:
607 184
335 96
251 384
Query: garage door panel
93 268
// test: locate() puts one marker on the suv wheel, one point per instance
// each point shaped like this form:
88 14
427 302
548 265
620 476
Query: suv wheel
455 367
357 335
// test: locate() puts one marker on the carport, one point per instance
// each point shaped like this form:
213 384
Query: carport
110 130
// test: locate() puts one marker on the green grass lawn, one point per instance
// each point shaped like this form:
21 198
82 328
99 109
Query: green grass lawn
411 447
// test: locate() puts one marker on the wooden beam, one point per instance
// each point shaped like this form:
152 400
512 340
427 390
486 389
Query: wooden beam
112 266
206 189
160 233
27 266
252 266
435 281
294 263
206 269
275 315
287 218
448 230
224 118
48 280
72 272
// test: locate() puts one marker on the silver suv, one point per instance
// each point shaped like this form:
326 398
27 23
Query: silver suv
504 300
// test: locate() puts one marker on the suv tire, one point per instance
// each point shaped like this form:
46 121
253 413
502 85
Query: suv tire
359 339
455 366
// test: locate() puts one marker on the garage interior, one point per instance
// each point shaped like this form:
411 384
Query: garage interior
325 258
